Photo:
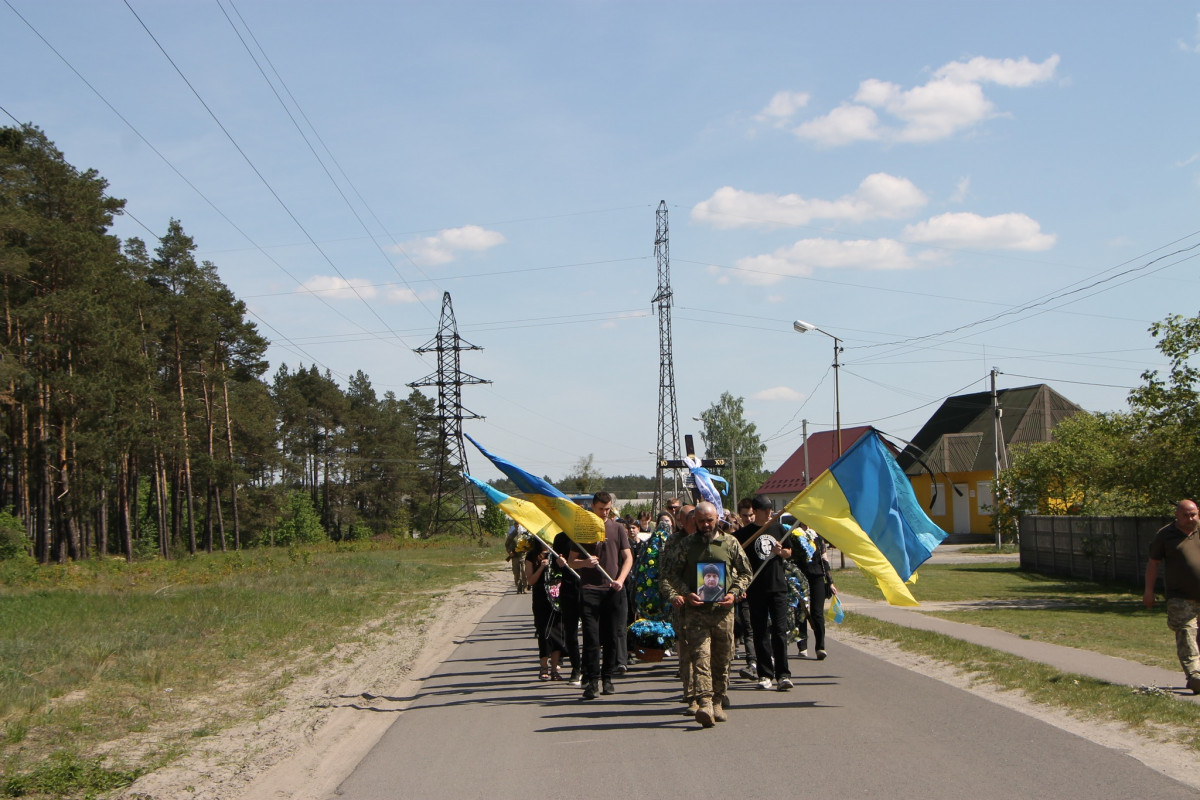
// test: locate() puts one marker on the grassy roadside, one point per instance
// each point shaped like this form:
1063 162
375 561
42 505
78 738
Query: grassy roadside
1152 714
95 653
1105 619
1091 616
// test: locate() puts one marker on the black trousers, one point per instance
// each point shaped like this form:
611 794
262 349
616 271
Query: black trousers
770 638
568 603
816 614
603 615
743 631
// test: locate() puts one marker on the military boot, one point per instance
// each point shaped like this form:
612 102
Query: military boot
719 710
704 714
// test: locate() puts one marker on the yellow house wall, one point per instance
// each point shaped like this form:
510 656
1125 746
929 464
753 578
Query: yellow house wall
978 521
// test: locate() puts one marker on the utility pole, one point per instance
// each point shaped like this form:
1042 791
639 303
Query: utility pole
448 482
807 473
998 436
668 414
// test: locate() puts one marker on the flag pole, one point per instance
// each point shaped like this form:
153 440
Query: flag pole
550 549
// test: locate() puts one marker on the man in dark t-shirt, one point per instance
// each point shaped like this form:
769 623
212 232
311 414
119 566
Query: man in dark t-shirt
764 541
603 568
1176 547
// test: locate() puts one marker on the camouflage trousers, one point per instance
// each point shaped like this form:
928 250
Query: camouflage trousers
706 650
518 570
1181 618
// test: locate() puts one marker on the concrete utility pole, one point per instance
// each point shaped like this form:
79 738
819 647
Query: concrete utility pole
998 436
807 473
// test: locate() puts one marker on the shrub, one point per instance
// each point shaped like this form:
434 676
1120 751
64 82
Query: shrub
299 523
13 541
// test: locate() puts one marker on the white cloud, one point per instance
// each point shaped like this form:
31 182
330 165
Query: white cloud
444 246
1192 48
843 125
807 255
937 110
1004 71
777 393
879 196
783 107
1001 232
402 295
338 288
960 190
952 101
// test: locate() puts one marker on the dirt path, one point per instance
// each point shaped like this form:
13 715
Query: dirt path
327 722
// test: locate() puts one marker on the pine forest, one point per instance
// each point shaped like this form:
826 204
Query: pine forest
137 416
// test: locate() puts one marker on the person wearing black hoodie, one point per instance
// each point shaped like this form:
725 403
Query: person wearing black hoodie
765 543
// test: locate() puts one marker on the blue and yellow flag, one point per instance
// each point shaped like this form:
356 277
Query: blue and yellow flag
864 505
579 523
522 512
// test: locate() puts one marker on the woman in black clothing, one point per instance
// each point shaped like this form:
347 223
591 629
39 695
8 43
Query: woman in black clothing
546 617
820 589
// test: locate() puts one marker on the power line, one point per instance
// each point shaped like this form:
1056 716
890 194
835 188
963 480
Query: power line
174 169
313 150
468 276
1063 380
257 172
1038 302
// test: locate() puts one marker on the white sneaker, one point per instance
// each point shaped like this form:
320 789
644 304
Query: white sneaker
764 683
785 683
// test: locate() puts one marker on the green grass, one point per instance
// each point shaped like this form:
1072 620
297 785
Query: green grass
991 549
987 581
1104 618
95 651
1150 713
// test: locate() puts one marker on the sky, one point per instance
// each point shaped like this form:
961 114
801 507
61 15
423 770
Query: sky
947 188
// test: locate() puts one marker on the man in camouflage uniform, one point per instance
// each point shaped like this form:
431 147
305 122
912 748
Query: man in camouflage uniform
683 528
1176 550
706 629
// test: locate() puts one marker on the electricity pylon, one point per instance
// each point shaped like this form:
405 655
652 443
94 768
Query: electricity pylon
668 414
448 482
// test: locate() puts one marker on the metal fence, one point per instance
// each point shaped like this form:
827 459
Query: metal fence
1094 548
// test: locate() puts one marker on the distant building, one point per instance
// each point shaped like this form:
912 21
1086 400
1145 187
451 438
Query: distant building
787 481
958 445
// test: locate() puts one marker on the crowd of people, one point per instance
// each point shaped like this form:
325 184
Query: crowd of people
714 581
698 580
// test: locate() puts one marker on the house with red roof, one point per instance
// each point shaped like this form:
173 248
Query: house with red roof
952 460
818 453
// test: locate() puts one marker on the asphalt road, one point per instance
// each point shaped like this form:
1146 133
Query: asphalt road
483 726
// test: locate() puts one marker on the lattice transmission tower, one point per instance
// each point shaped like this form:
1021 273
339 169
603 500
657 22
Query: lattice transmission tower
668 414
452 497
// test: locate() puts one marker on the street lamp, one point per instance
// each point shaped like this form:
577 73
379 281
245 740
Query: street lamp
801 326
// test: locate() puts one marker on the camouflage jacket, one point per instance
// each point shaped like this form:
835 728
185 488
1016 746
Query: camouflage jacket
679 559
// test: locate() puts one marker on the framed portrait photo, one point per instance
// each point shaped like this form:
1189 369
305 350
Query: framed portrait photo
710 581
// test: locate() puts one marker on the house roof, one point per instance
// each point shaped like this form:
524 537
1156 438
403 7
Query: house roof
960 436
822 451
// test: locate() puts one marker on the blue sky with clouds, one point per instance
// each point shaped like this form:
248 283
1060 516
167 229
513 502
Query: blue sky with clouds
948 187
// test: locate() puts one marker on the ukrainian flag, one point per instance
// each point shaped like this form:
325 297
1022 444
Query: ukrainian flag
579 523
864 505
522 512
